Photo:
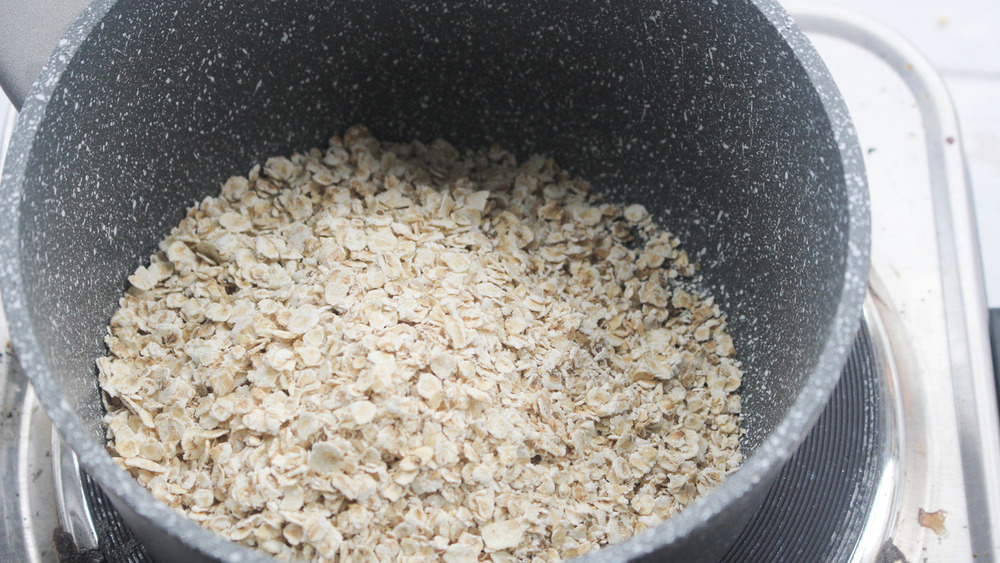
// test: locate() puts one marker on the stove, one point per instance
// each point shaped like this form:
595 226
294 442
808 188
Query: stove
904 463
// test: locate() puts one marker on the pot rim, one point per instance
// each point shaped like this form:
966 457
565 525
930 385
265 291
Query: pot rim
759 468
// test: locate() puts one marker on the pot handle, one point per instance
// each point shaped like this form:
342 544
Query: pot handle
29 30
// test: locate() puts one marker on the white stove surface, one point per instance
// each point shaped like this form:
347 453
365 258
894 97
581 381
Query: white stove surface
928 284
960 39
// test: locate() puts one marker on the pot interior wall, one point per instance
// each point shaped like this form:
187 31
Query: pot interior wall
698 110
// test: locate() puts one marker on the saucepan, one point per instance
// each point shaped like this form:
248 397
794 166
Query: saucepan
718 116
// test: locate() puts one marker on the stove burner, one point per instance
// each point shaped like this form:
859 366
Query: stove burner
116 542
817 507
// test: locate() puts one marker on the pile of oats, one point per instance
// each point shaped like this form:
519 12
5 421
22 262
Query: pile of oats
407 352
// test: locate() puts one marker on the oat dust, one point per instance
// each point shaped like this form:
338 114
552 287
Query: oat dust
408 352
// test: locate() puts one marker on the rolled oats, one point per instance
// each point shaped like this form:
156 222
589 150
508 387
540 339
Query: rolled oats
408 352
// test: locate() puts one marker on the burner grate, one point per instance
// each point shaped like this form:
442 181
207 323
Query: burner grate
116 542
817 507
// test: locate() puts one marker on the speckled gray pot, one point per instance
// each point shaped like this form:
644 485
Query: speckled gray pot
718 116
